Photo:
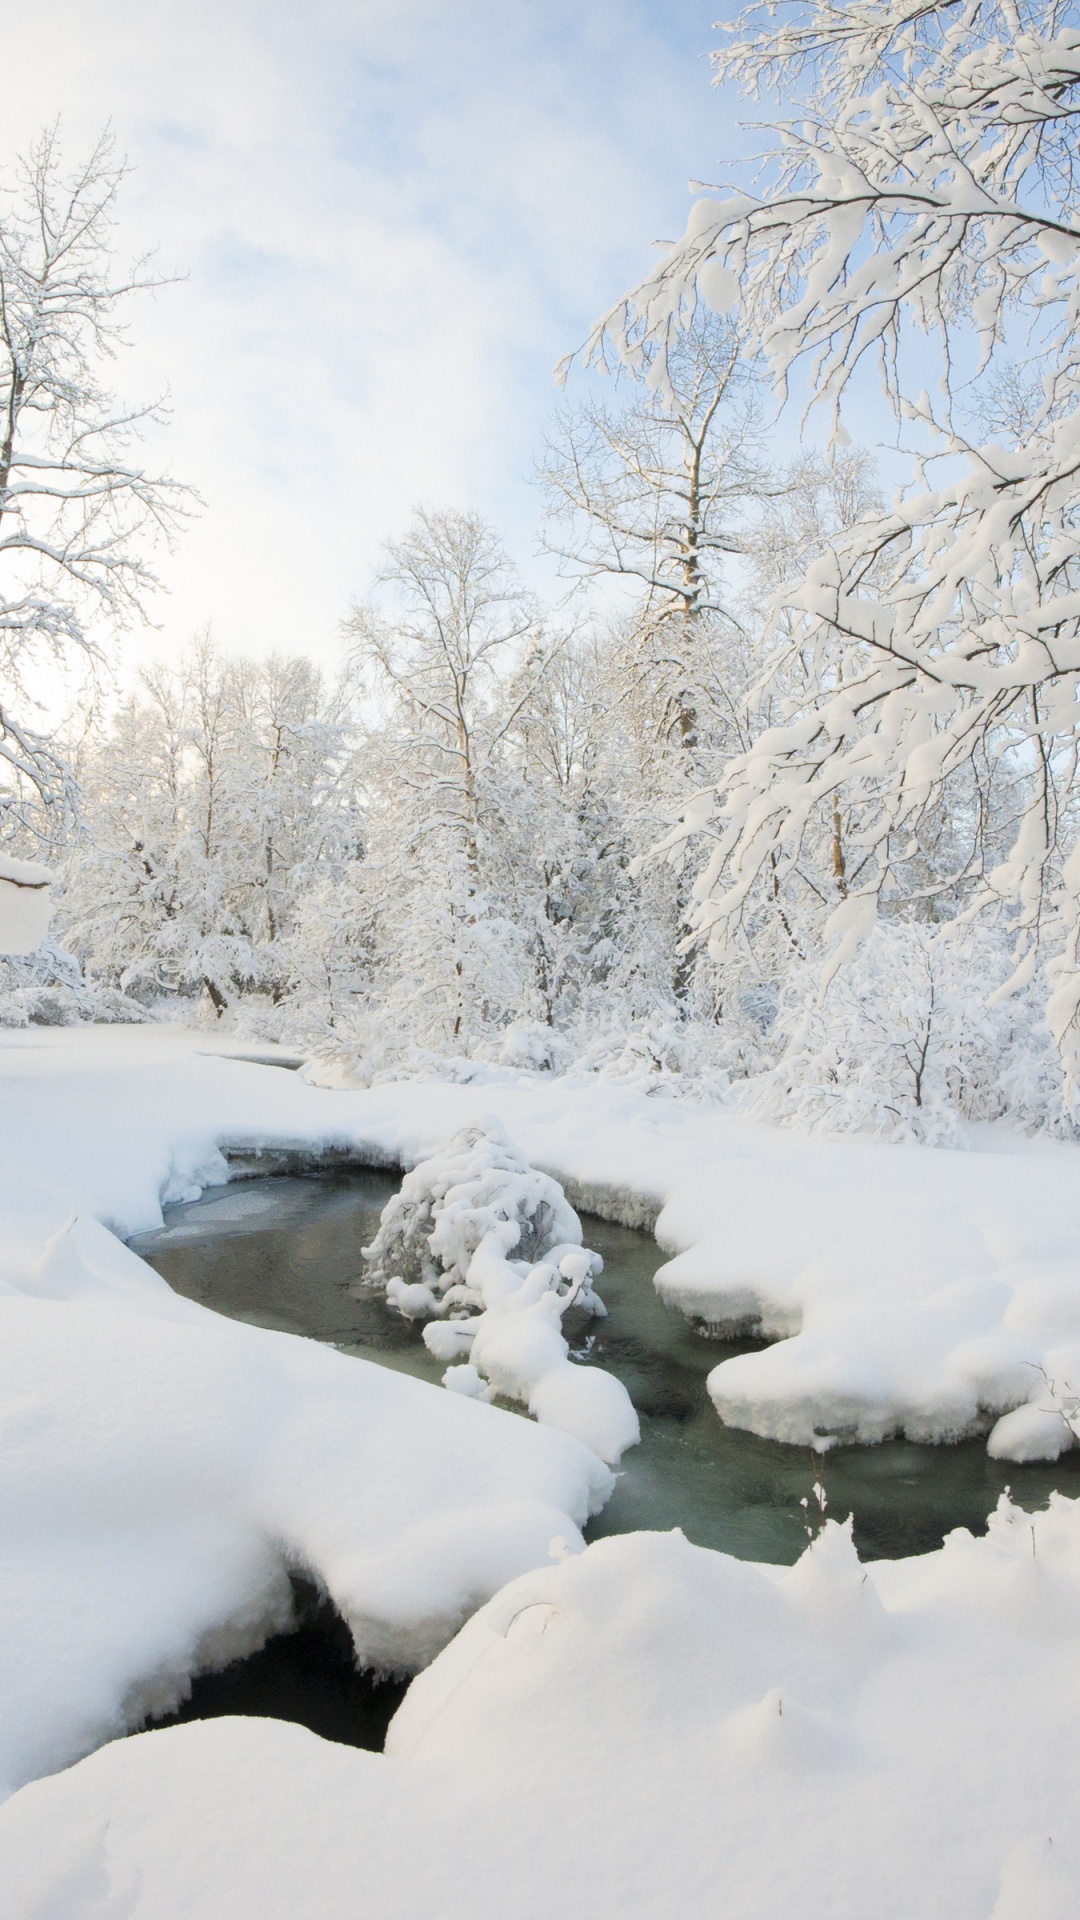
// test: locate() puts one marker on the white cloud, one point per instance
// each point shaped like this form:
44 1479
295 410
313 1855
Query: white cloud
394 215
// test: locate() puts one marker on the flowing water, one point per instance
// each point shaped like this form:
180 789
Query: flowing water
285 1253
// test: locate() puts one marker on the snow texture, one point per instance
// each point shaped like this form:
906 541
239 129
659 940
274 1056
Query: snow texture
642 1729
459 1216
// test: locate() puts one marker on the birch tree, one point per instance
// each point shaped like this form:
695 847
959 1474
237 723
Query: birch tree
653 490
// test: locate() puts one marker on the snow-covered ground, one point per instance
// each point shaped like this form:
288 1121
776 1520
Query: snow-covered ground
642 1728
647 1729
162 1468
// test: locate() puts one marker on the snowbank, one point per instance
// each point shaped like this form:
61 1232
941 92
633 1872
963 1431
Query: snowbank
644 1729
910 1289
162 1469
907 1289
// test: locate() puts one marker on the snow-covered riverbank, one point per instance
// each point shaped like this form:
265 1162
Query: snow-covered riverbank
918 1290
163 1469
642 1728
645 1729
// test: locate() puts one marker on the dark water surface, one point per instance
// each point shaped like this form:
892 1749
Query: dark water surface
285 1253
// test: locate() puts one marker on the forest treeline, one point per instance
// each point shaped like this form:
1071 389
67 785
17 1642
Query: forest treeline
777 798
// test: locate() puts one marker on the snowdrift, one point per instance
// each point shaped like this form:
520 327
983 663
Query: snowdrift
643 1729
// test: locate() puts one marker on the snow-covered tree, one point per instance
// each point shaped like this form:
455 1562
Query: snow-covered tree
595 944
922 203
450 630
224 792
78 516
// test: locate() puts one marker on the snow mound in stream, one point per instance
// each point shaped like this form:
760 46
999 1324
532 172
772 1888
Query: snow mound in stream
444 1249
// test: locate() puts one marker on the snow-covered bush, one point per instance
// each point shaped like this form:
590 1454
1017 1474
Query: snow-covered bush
443 1252
47 989
907 1041
674 1056
533 1048
476 1183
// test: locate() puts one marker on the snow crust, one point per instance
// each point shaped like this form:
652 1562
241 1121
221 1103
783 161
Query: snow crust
908 1289
644 1728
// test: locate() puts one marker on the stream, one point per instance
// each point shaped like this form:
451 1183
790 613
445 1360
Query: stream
284 1252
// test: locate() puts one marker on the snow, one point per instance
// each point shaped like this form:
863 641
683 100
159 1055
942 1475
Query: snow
25 890
641 1727
909 1289
459 1216
645 1728
163 1469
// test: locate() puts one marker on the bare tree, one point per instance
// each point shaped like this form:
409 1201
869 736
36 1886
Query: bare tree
654 491
77 516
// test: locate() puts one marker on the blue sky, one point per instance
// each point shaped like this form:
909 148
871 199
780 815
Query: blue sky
393 217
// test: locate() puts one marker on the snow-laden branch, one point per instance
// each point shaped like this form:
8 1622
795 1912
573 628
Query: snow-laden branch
926 192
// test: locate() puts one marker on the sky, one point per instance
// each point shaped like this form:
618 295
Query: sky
392 218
